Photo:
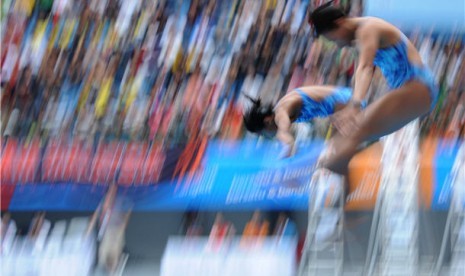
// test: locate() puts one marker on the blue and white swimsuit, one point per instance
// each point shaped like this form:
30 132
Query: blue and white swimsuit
397 70
324 108
394 64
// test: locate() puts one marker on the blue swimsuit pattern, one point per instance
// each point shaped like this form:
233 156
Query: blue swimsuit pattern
324 108
397 69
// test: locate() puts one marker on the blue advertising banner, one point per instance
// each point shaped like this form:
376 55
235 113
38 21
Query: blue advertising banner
236 175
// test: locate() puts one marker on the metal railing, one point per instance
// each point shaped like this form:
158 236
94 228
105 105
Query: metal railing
393 244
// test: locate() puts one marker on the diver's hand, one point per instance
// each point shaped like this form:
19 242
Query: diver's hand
288 150
287 141
345 120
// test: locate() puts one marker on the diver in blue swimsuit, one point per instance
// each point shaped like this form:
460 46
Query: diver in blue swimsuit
300 105
380 44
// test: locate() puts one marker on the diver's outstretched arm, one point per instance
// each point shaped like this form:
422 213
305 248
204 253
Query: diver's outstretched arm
283 122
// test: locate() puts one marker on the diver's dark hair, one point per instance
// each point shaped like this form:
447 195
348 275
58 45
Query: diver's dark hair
323 18
254 117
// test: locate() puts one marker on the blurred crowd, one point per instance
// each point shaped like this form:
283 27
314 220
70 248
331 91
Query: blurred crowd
167 70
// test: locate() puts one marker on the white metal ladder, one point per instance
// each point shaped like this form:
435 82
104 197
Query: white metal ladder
324 255
393 246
